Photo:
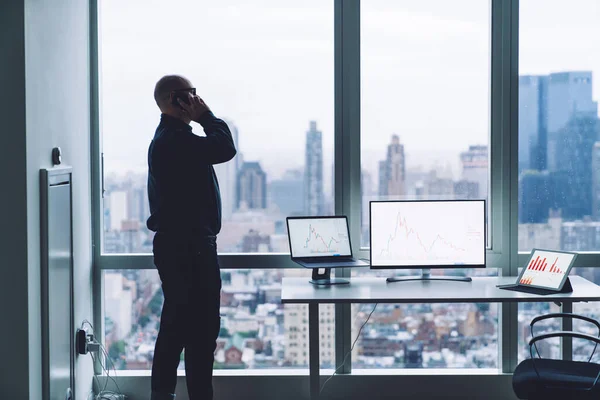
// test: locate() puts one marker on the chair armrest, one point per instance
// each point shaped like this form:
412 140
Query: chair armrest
565 315
564 334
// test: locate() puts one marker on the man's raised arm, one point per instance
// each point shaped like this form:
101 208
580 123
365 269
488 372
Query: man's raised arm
217 147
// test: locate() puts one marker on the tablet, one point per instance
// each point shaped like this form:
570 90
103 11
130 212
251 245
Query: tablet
547 269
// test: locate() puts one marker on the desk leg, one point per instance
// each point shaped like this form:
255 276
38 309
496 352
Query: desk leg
313 346
567 325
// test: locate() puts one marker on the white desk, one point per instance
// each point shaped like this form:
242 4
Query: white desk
376 290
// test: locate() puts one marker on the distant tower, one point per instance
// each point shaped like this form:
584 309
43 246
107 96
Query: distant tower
547 104
287 193
533 134
227 176
251 186
596 181
392 171
314 200
475 168
569 97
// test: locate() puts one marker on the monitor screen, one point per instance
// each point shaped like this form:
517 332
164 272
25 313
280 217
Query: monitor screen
428 234
318 237
547 269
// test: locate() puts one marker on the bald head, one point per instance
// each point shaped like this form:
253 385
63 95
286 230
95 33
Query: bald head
164 87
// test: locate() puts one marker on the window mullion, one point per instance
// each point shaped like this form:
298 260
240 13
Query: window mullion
347 149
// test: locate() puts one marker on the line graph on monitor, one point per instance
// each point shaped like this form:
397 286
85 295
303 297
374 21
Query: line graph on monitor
407 232
422 234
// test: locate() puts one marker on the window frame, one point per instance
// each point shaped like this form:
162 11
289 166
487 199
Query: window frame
503 130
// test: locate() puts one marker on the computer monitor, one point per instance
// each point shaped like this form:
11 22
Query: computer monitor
428 234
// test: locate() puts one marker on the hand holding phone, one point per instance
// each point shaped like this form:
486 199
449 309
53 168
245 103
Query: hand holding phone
179 96
193 105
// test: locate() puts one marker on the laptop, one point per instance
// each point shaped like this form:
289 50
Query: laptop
547 272
321 242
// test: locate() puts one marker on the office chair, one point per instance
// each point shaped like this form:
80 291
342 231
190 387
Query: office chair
539 378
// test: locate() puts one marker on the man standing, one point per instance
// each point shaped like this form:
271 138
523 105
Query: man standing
185 208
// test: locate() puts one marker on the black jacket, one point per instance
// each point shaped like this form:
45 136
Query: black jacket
182 186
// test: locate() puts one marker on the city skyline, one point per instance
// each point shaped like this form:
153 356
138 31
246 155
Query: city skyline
307 56
425 76
254 208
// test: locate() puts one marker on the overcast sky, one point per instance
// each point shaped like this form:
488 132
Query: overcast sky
267 66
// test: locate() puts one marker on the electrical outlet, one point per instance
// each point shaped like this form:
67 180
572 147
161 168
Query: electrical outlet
81 342
85 342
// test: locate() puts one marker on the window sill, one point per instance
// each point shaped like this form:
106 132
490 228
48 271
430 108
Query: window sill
328 372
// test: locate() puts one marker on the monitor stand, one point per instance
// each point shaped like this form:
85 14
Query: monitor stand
426 276
325 278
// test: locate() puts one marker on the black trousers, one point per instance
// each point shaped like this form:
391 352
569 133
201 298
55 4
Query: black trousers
191 282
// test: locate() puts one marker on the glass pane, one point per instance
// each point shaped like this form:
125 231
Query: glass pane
425 96
583 349
549 348
559 153
426 335
266 67
257 331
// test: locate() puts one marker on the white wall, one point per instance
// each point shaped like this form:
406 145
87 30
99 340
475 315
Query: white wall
44 75
58 114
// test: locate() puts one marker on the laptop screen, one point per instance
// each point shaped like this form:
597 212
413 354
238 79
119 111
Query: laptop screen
319 237
547 269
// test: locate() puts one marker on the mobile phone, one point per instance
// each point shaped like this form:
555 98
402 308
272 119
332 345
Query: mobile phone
178 95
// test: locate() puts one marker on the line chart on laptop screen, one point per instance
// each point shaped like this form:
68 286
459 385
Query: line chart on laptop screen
316 237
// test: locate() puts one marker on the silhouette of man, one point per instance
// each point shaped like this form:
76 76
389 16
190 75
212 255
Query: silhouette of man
185 208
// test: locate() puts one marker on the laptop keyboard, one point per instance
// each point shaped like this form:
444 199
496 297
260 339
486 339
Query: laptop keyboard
336 260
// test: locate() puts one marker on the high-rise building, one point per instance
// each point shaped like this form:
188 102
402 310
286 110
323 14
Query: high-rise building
574 159
474 163
596 181
465 190
392 171
569 96
287 193
546 105
138 208
295 321
439 188
580 235
251 187
543 235
314 199
254 242
227 176
117 201
366 188
536 196
532 122
119 294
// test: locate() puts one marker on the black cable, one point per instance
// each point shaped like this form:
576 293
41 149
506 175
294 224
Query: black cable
105 368
351 348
